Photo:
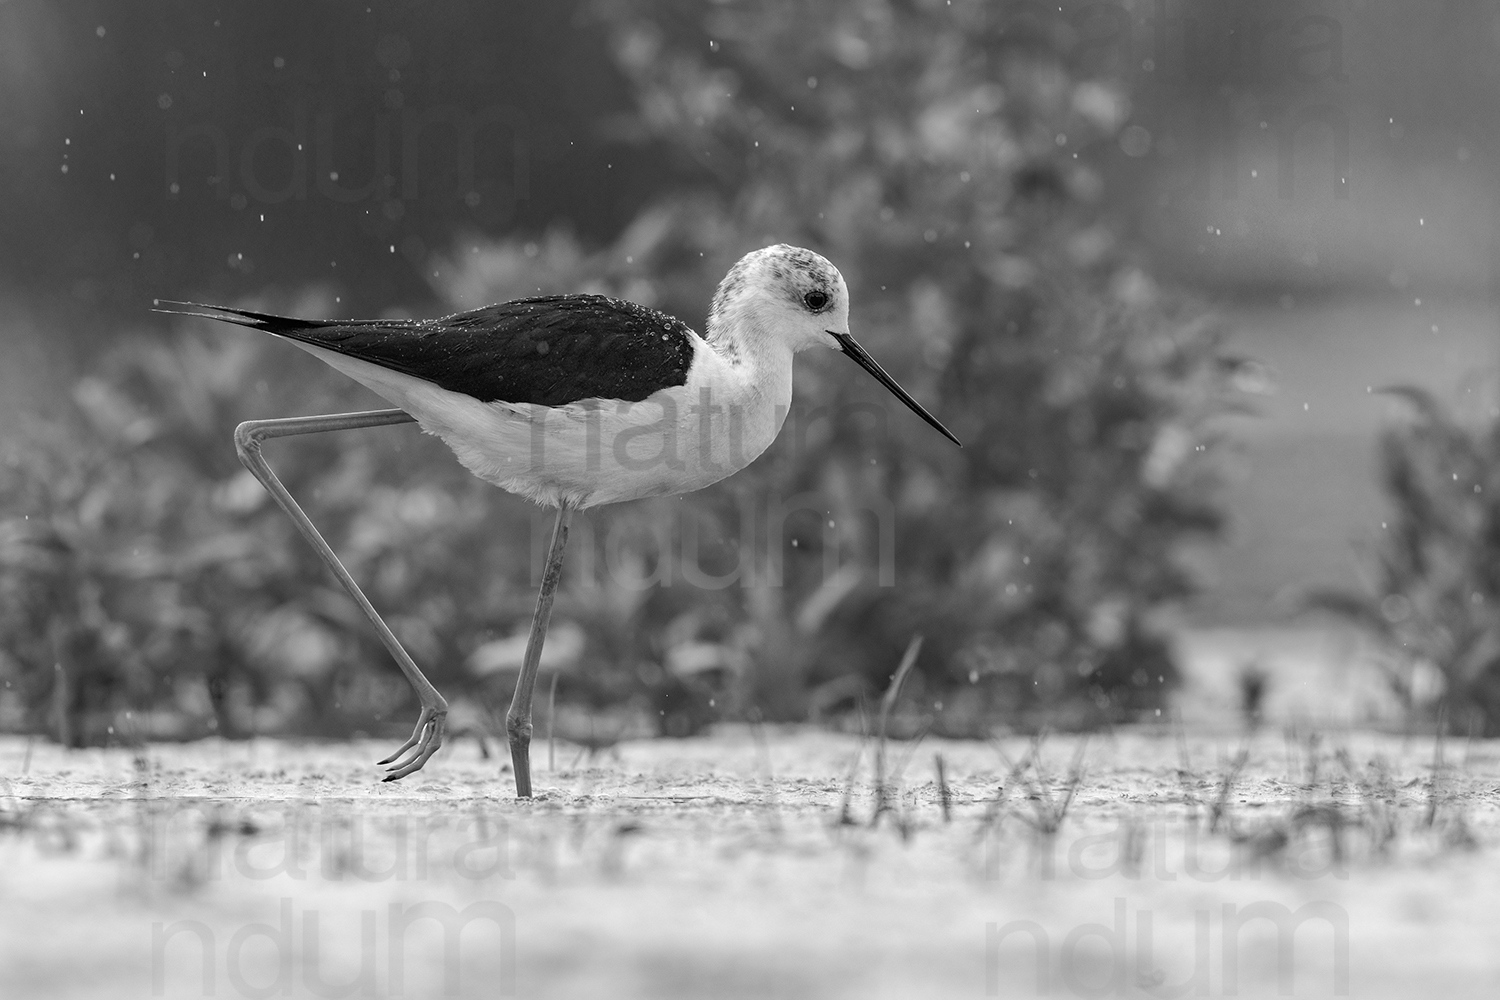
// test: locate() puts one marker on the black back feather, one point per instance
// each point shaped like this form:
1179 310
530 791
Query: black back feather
550 349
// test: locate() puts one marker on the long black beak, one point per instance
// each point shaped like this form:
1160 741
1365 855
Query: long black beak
869 364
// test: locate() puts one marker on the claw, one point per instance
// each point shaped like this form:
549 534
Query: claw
415 738
425 739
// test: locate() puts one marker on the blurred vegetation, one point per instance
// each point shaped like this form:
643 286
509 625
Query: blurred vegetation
1434 582
948 159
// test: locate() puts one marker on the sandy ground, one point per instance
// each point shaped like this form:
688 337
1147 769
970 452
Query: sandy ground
730 867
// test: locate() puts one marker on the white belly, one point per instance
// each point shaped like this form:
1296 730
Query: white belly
598 451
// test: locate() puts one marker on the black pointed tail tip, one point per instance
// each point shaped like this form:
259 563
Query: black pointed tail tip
862 358
229 314
175 307
203 310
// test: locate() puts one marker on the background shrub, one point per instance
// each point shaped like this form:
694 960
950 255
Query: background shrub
948 160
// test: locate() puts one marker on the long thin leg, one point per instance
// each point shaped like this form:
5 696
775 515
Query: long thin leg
428 735
518 719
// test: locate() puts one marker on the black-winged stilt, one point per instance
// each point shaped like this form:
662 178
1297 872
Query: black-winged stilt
571 401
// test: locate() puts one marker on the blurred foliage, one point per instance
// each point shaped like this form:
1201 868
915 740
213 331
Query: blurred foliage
146 576
946 158
1435 585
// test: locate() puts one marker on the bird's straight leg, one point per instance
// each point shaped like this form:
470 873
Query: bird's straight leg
428 735
518 719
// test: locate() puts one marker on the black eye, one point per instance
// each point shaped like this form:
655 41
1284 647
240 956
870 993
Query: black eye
815 300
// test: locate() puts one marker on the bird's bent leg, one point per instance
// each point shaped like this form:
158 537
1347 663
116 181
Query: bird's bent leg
428 735
518 719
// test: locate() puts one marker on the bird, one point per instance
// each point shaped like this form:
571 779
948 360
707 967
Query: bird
571 401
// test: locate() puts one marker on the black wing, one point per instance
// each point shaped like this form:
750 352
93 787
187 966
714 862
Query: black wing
551 349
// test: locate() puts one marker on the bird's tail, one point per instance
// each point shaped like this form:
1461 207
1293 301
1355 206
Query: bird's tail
282 325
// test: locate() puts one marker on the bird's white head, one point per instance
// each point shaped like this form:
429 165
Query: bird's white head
783 293
786 299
